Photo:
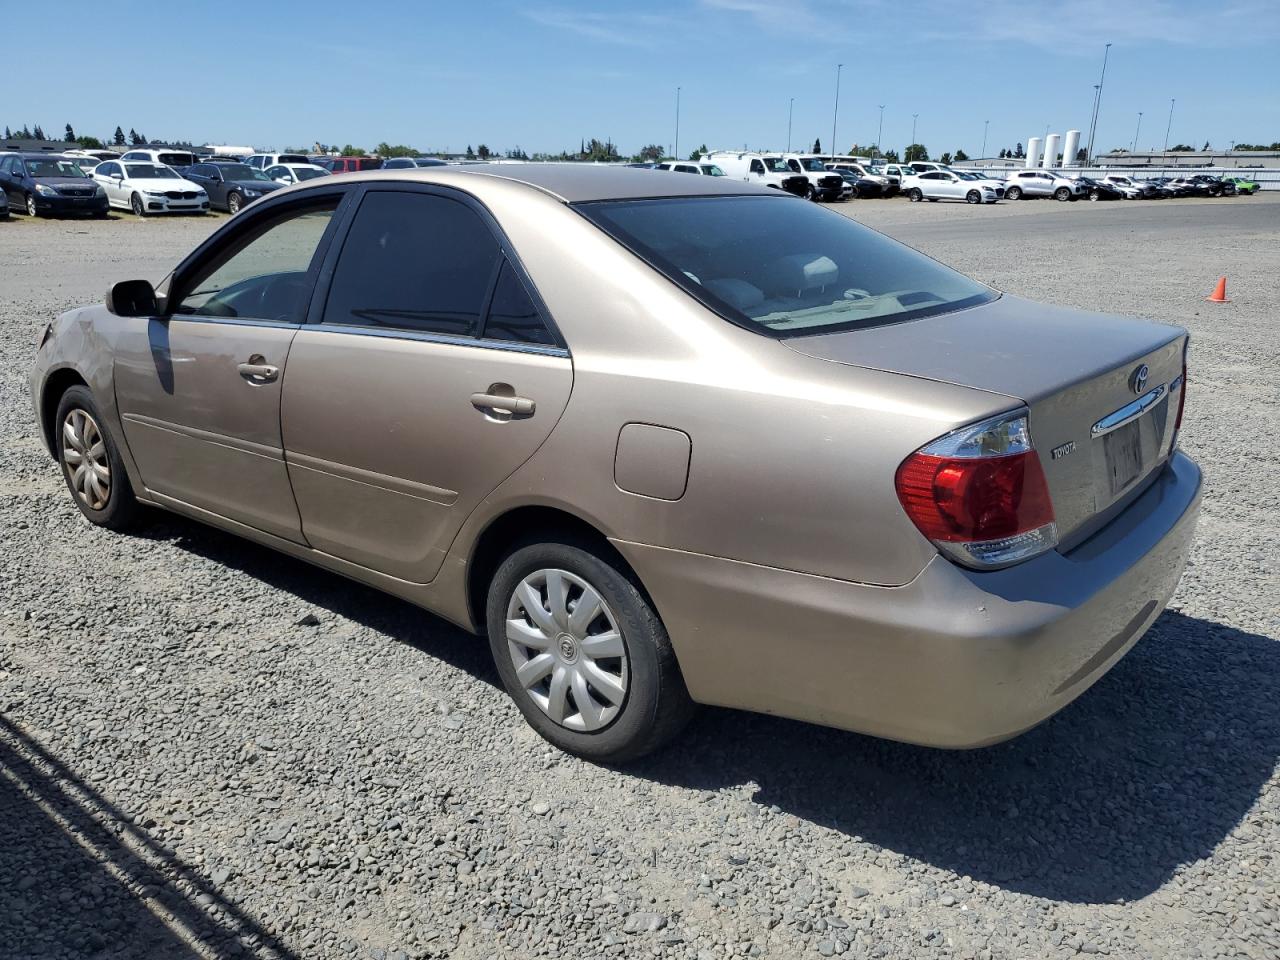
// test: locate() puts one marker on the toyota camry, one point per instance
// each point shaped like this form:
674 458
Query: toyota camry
662 440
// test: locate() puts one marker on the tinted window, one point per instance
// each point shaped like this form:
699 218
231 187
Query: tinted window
177 159
413 262
757 166
291 158
108 169
783 267
5 164
263 276
512 315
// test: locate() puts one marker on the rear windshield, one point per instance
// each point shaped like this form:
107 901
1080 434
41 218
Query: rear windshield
177 159
784 267
291 158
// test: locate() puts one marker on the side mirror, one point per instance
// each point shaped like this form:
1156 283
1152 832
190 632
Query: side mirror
132 298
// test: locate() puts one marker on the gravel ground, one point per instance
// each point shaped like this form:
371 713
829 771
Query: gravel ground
209 750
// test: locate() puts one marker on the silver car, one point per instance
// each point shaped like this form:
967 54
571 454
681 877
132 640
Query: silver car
1022 184
663 440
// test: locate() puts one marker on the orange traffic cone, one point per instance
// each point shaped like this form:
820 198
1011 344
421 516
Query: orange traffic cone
1219 294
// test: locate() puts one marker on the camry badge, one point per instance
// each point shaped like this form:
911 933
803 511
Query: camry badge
1138 379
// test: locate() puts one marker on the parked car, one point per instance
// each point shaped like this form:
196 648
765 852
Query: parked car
1244 185
4 205
863 173
408 163
1166 187
349 164
1133 188
147 188
623 372
823 183
1190 187
1042 183
231 186
643 165
1099 189
261 161
860 187
937 185
92 154
895 173
49 184
690 166
1218 187
288 173
764 171
178 159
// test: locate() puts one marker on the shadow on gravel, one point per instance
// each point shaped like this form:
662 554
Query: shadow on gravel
81 881
1152 768
396 618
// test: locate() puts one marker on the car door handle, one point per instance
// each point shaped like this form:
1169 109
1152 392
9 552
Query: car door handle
255 371
516 406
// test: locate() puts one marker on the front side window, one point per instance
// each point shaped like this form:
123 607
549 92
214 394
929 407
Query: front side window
757 166
781 267
264 275
413 261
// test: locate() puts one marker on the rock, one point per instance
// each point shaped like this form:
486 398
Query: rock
644 922
308 620
539 808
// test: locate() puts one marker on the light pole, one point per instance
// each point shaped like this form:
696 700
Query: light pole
675 150
1169 126
1135 133
835 111
880 132
985 125
905 158
790 110
1097 100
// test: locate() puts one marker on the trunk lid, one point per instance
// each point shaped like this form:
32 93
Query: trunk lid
1075 371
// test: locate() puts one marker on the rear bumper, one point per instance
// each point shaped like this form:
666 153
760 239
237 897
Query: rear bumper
955 658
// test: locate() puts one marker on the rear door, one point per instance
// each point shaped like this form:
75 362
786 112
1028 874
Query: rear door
199 387
427 376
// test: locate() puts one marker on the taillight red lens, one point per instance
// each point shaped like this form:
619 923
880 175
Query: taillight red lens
959 500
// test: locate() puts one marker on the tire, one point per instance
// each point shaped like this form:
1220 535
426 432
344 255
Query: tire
235 203
1013 193
637 701
78 417
915 195
137 206
973 196
1094 196
1062 194
31 206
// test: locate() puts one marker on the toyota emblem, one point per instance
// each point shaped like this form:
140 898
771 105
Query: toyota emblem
1138 381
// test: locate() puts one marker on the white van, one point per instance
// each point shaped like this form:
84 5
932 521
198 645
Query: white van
759 169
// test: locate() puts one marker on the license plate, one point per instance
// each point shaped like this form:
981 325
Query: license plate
1123 450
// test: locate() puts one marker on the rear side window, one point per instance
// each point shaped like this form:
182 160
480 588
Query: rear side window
512 314
414 261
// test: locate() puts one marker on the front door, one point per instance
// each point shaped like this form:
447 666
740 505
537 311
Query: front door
199 387
427 379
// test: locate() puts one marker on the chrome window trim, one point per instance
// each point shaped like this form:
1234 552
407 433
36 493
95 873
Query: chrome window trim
1129 412
510 346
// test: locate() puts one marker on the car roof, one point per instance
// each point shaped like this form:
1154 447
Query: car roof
573 182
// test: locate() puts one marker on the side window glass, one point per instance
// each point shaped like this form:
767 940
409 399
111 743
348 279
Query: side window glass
264 276
757 166
5 164
512 315
413 261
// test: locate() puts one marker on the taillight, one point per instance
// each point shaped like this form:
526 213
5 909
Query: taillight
1179 384
979 493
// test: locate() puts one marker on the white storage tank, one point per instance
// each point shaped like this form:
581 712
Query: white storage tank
1033 153
1071 148
1051 147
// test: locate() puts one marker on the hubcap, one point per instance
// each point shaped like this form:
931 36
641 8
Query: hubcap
84 457
567 650
31 206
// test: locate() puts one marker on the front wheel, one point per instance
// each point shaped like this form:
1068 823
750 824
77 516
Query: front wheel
973 196
137 206
1013 193
583 654
1095 196
1062 194
915 195
91 463
31 205
234 203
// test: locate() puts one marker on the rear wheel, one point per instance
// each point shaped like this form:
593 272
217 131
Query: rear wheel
583 654
973 196
137 206
915 195
1013 193
234 203
91 463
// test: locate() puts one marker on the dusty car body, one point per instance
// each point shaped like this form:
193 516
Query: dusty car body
730 480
